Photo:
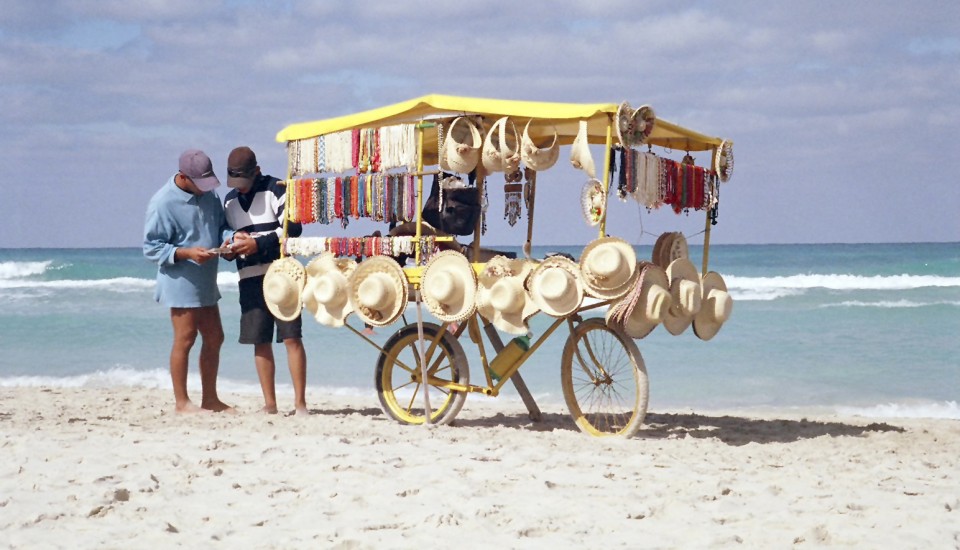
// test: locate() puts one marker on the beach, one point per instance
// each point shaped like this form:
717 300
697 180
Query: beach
114 467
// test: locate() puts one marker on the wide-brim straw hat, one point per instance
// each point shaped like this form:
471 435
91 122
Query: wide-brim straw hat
282 288
624 124
378 289
327 292
556 286
449 286
460 150
593 201
670 246
651 300
715 308
501 147
580 156
685 293
723 161
539 157
609 266
502 297
634 126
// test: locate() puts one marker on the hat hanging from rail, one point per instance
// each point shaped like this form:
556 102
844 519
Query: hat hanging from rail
501 148
539 157
326 294
449 286
669 246
715 308
609 266
556 286
634 126
460 149
593 201
723 164
685 293
502 297
645 306
378 288
282 288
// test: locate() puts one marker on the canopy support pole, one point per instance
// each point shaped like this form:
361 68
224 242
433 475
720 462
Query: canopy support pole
606 174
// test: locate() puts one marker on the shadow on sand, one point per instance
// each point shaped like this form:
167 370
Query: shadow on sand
732 430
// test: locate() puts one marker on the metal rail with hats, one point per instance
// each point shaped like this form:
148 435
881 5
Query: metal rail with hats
373 165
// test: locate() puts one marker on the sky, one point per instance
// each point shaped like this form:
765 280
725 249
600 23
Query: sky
843 114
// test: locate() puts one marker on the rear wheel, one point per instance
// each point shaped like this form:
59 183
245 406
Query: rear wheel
399 381
604 380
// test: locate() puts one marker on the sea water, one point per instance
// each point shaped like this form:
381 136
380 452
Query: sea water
871 329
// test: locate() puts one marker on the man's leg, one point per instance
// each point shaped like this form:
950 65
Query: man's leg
211 330
184 323
297 361
266 371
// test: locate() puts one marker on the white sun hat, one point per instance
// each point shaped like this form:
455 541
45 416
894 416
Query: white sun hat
378 289
326 294
686 295
501 147
580 156
593 201
646 305
556 286
539 157
460 150
449 286
670 246
502 297
282 288
609 266
715 308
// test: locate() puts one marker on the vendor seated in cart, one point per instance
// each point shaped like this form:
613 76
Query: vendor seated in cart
457 215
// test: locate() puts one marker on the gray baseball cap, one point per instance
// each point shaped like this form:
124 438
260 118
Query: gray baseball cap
196 165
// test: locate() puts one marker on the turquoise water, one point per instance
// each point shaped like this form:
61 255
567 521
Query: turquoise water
855 327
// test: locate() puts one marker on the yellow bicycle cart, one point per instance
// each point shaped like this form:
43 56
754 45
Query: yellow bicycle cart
422 372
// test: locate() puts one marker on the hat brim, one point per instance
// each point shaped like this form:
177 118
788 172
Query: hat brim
389 266
326 314
206 184
705 323
638 325
509 322
619 288
450 312
293 269
239 183
676 320
565 305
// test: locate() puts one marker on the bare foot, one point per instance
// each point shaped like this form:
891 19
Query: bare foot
218 406
301 411
267 409
188 407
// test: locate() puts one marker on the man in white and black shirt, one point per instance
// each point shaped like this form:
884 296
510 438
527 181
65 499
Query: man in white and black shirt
254 208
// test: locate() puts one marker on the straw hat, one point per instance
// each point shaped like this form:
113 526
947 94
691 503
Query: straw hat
503 298
723 161
650 302
580 156
556 286
282 287
634 126
609 266
460 151
670 246
501 150
685 293
378 290
449 286
538 157
326 294
593 201
715 309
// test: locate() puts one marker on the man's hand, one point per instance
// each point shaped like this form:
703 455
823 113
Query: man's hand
230 256
244 244
198 254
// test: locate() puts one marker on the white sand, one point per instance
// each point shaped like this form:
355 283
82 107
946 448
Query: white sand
108 468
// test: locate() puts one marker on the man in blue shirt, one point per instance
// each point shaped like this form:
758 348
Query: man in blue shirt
185 225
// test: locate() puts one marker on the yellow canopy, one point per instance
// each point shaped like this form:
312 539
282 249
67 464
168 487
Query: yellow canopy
564 117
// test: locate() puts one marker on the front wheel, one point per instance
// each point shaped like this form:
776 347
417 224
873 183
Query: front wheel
399 382
604 380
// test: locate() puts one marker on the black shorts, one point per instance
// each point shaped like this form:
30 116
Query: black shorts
256 321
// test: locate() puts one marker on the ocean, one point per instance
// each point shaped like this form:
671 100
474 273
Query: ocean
868 329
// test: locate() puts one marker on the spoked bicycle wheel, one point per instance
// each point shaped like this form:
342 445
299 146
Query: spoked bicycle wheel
604 380
399 382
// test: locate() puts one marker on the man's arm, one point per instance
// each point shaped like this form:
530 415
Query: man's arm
157 235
